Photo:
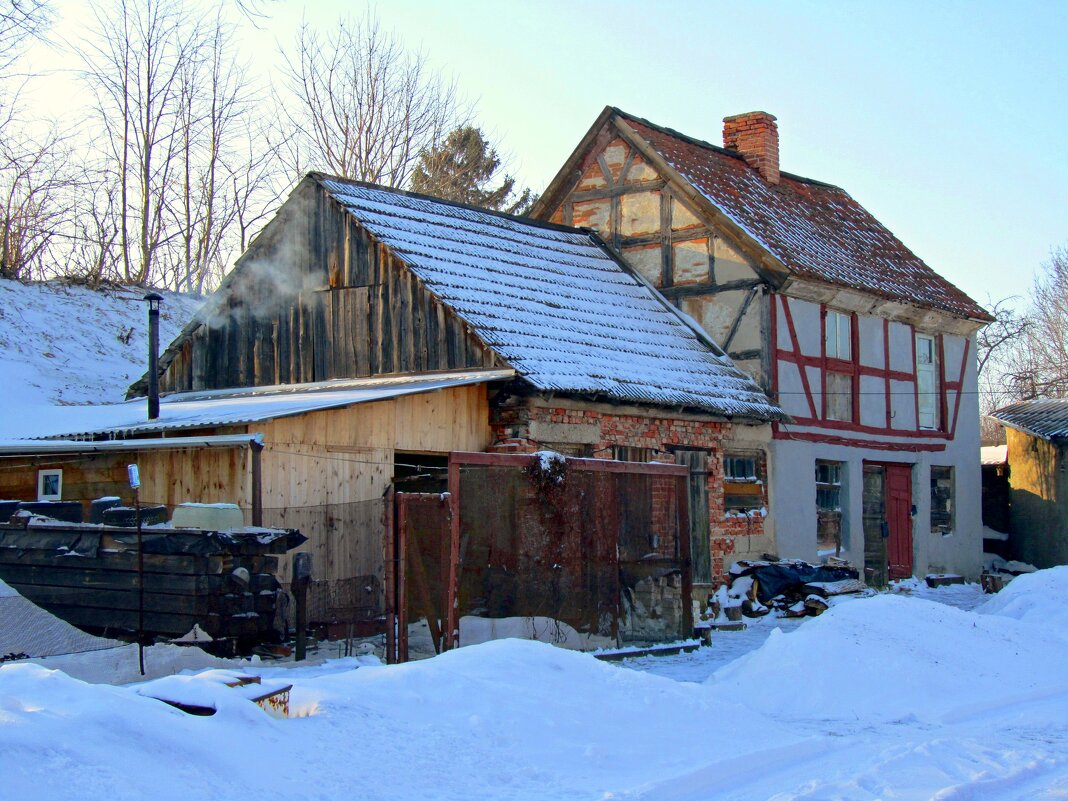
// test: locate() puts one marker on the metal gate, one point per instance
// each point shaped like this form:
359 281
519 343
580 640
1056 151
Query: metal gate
598 551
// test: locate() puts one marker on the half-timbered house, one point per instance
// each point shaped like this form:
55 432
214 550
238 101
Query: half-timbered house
869 350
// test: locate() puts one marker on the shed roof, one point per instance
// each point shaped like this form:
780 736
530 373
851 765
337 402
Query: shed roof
196 410
816 230
1046 419
554 303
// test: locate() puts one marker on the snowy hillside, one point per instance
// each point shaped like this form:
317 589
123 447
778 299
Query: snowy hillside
72 345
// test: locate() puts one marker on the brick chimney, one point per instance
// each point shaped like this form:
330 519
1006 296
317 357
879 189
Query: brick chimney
756 137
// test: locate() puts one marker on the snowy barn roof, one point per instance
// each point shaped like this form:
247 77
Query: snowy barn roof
555 304
815 230
1046 419
207 409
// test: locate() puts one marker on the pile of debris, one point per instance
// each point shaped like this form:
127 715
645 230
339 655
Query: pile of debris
789 587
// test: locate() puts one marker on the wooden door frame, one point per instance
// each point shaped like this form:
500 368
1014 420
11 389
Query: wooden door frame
910 467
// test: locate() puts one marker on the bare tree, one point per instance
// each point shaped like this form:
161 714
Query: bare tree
182 140
367 106
33 175
1038 367
20 22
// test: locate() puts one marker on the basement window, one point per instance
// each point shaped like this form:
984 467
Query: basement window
743 489
49 485
942 500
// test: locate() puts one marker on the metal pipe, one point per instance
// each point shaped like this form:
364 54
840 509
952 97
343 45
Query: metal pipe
256 447
153 299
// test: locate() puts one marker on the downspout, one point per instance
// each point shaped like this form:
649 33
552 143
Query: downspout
256 449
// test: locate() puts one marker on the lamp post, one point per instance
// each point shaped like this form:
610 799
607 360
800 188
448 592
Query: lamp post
153 299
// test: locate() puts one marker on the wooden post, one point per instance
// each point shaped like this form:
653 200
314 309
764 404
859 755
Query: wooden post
452 599
140 583
389 552
301 578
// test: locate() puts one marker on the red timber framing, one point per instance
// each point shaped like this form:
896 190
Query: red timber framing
791 353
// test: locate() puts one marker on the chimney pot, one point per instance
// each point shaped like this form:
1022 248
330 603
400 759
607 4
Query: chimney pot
756 136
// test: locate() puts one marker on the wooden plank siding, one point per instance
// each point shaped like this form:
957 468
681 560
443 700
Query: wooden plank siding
318 299
198 475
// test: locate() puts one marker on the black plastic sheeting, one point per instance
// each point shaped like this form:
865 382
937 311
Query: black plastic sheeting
782 578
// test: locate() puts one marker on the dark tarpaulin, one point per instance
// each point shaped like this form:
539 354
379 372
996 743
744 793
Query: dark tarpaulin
781 578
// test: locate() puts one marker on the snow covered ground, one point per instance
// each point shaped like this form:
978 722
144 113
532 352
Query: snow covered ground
899 696
66 345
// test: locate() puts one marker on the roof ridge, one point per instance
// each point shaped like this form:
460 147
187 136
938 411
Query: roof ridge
693 140
320 177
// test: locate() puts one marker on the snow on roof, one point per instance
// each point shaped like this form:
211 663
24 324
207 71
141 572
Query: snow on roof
1047 419
554 304
994 454
194 410
817 230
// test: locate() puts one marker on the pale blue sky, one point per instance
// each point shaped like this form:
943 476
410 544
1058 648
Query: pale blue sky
946 120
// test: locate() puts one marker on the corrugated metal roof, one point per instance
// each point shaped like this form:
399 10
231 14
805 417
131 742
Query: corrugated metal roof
817 230
1047 419
195 410
555 304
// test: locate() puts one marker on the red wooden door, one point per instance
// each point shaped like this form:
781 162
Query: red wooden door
899 519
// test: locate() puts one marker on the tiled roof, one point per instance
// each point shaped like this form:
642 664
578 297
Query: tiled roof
818 231
1047 419
554 304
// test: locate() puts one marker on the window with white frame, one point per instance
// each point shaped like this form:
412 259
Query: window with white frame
838 335
927 380
49 485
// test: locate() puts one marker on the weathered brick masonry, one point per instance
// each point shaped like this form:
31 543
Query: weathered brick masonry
591 430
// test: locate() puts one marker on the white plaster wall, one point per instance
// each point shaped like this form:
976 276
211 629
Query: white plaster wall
871 340
809 327
872 401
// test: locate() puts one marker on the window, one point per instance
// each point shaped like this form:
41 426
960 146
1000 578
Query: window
828 508
49 485
829 486
838 344
941 500
927 381
626 453
838 332
743 489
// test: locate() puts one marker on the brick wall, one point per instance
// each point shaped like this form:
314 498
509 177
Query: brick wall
596 431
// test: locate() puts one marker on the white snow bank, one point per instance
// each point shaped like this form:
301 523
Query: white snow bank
507 719
891 659
1039 598
26 628
73 345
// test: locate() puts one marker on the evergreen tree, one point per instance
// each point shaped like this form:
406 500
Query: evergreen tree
463 169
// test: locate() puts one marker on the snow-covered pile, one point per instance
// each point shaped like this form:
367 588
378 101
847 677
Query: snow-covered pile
892 658
26 628
1039 598
71 345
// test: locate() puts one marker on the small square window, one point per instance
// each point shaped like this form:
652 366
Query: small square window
49 485
743 489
